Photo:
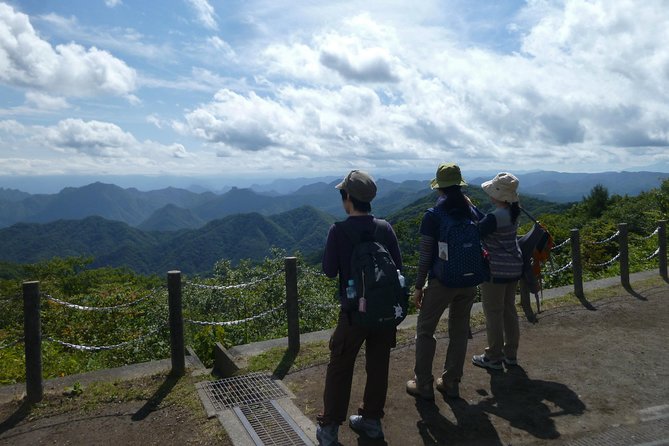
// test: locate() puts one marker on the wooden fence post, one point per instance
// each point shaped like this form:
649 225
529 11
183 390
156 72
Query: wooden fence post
32 335
576 263
178 350
623 243
292 306
662 245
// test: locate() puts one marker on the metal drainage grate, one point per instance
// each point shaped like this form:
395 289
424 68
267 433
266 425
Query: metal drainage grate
242 391
268 424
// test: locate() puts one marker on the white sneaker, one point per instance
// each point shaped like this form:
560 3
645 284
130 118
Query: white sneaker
366 426
327 435
486 363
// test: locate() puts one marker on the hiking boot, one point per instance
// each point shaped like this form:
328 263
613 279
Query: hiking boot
368 427
451 389
327 435
510 361
424 392
486 363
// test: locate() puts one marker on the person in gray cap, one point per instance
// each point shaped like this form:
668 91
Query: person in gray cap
357 191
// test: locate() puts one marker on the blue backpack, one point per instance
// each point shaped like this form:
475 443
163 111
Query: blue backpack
460 260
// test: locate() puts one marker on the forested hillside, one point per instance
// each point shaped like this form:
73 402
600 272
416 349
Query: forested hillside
116 244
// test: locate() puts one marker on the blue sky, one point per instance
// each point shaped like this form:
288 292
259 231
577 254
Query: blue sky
269 88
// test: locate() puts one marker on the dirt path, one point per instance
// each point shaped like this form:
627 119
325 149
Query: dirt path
582 372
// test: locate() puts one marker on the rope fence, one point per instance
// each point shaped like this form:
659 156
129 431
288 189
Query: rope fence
32 299
94 348
232 287
11 344
601 242
111 308
605 264
561 245
657 230
657 251
237 322
559 270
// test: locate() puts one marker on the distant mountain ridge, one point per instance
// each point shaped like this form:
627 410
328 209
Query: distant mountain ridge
114 243
569 187
173 209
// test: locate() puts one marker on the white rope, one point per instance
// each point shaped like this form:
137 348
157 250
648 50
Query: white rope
112 308
237 322
557 271
605 264
606 240
230 287
330 306
654 232
11 344
561 244
95 348
657 251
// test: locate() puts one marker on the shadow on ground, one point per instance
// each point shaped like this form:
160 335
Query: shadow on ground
529 404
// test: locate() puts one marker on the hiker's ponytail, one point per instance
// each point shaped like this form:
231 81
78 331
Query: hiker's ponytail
515 211
455 199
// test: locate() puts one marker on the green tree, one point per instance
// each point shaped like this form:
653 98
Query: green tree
596 203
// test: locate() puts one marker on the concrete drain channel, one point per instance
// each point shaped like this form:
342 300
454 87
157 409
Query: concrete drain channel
255 410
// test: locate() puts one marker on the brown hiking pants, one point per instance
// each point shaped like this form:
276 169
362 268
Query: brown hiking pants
345 344
436 298
501 319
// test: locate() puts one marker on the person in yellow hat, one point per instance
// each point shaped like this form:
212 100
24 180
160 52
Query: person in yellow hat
440 293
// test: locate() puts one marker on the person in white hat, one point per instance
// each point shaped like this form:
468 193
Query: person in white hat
500 238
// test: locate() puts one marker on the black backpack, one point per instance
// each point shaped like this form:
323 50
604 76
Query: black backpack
460 260
376 279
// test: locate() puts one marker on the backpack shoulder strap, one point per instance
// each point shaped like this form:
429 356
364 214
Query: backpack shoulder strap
379 228
529 215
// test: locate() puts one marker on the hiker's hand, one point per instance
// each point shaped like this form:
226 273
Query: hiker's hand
418 297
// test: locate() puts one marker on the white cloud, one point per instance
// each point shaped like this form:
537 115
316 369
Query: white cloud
113 3
45 101
155 120
26 60
320 86
92 138
436 98
206 14
222 47
122 40
75 146
360 50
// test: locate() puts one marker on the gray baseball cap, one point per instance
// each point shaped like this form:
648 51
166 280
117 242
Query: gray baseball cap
360 185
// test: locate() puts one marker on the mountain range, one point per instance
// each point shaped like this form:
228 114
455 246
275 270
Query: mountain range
155 231
172 209
114 243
